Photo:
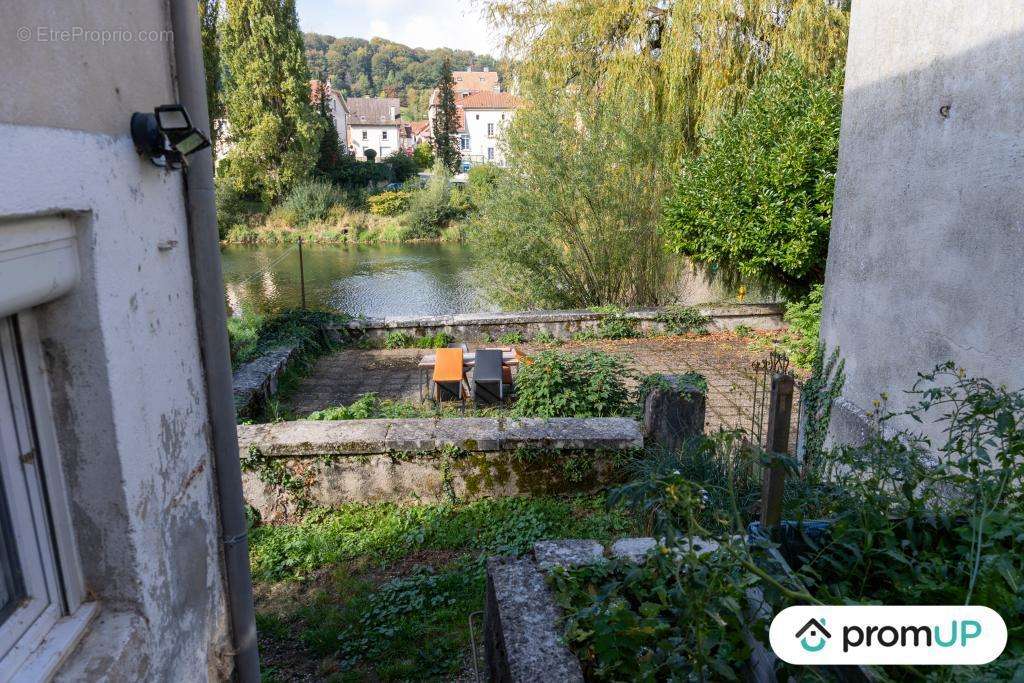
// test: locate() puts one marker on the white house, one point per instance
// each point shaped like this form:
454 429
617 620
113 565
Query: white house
483 110
374 123
485 116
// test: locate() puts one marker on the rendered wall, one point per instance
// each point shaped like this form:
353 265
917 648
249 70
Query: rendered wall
121 348
926 258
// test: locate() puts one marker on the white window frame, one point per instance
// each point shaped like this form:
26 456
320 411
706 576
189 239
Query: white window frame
490 129
53 617
383 135
464 142
490 154
365 135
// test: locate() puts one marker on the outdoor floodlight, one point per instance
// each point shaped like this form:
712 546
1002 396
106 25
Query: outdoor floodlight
167 136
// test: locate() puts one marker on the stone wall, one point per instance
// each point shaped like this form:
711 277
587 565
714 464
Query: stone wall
476 327
927 238
427 459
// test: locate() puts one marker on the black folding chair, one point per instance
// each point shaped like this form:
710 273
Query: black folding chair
488 386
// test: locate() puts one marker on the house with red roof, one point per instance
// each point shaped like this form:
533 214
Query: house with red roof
483 112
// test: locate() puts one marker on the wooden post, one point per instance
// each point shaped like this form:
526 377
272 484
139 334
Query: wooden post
302 276
780 412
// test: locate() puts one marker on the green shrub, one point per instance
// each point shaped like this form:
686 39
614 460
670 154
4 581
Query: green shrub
423 155
404 340
368 407
483 178
397 340
684 320
429 209
756 203
234 210
585 384
251 336
459 204
800 342
389 203
511 338
311 202
547 339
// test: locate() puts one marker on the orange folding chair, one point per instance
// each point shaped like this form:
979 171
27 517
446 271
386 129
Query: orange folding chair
449 376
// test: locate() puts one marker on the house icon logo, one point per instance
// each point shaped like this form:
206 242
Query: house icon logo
816 632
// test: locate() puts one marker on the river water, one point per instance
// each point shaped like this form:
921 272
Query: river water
419 278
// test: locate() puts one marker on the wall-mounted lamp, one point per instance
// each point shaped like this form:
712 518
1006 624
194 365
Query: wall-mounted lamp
167 136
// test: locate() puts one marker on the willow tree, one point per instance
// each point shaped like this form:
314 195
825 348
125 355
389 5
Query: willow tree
668 70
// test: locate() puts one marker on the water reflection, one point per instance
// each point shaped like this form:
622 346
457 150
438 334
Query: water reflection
376 281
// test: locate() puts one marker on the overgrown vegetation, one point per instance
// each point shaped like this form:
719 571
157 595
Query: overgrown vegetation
684 320
253 335
582 384
404 340
756 204
389 588
910 521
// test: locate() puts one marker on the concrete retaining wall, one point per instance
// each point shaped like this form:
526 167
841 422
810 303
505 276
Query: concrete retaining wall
472 327
414 460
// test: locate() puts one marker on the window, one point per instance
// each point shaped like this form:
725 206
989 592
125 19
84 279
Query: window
478 117
464 142
490 130
490 153
364 135
37 586
384 135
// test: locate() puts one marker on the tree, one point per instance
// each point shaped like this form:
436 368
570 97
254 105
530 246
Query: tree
209 16
446 121
618 94
330 147
273 129
570 224
423 155
757 203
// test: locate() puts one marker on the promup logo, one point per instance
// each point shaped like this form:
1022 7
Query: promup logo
888 635
817 630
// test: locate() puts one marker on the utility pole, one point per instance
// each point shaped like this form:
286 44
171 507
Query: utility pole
302 276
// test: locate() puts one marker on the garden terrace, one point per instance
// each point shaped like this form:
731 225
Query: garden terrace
723 358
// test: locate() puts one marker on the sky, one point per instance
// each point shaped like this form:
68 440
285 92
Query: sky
416 23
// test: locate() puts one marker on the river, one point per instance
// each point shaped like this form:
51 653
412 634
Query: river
420 278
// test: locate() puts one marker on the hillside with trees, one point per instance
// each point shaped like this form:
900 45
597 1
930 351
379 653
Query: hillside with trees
379 67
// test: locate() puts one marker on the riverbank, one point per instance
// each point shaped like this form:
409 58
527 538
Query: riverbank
345 227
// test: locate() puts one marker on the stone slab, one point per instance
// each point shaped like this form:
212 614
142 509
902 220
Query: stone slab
300 438
567 433
633 549
255 382
567 553
522 643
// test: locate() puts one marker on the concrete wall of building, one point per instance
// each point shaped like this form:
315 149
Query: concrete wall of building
926 258
122 350
384 140
485 128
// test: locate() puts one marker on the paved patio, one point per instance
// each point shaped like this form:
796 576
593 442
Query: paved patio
723 358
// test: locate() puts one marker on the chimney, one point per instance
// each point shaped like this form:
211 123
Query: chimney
392 113
486 69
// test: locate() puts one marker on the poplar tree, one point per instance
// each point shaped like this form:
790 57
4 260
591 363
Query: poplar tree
330 148
274 132
209 16
446 121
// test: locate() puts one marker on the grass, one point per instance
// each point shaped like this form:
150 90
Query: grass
342 226
387 590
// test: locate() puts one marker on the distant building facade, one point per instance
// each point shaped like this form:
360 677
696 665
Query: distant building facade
374 123
484 111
